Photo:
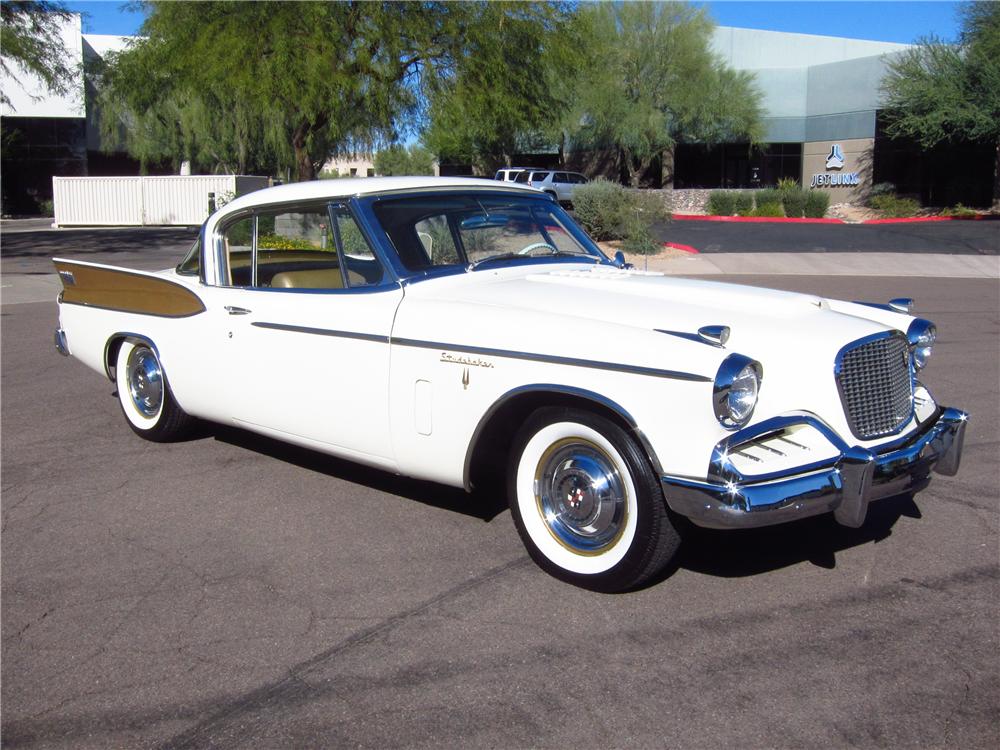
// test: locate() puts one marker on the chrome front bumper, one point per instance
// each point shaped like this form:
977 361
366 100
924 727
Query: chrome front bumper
845 486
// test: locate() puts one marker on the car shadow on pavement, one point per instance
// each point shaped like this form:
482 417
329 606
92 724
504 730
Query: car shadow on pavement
726 554
484 503
817 540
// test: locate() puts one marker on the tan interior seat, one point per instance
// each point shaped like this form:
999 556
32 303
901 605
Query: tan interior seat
317 278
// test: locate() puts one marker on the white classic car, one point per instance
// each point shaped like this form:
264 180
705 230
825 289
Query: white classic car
469 332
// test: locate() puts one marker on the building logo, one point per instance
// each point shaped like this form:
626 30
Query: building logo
836 179
836 158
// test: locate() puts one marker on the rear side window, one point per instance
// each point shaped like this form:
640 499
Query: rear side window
539 176
522 177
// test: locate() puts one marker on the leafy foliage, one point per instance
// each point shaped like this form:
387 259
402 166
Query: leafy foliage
721 203
609 211
938 92
771 209
817 202
600 207
31 43
506 92
239 86
892 206
397 160
652 80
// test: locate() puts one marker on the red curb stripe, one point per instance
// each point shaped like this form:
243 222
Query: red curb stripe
678 246
757 219
922 219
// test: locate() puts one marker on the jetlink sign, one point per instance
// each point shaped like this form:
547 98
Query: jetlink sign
836 179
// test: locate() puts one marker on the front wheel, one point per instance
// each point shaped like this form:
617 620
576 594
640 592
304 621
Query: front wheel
145 397
586 503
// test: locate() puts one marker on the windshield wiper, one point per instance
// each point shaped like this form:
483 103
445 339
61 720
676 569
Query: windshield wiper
504 256
511 256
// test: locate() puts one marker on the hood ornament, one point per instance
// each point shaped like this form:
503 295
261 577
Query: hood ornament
715 335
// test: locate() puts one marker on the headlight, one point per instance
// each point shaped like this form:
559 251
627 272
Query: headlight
735 393
921 335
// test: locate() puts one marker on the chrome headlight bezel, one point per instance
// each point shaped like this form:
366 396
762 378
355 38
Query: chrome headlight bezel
736 389
921 336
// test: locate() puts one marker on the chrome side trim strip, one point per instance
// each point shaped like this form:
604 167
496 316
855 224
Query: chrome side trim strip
323 332
554 360
489 352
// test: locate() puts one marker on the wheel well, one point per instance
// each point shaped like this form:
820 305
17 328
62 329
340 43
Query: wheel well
496 432
114 344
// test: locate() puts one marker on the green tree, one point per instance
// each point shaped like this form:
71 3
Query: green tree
652 81
32 44
505 93
398 160
936 92
285 83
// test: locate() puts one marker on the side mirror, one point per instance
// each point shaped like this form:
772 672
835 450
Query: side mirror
620 261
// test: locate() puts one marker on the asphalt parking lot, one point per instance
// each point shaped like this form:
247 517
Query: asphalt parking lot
230 591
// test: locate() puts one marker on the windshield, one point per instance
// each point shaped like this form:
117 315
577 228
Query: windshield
435 230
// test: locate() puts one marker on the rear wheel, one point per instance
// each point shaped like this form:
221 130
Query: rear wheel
586 503
144 395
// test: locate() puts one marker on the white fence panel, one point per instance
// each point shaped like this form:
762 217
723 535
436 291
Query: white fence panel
108 201
139 201
182 200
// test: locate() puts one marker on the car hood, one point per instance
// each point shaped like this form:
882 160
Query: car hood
762 321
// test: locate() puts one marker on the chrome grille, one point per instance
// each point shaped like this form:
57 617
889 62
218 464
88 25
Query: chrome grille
875 385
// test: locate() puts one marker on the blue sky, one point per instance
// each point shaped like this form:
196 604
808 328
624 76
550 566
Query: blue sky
901 21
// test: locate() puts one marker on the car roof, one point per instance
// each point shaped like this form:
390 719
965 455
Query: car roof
352 186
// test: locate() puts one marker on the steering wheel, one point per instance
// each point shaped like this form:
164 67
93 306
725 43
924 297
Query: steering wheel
534 246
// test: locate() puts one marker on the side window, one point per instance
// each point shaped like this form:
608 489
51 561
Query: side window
560 177
435 236
361 267
239 251
313 248
522 176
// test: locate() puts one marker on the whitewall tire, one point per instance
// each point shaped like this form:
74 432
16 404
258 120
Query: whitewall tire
586 502
144 394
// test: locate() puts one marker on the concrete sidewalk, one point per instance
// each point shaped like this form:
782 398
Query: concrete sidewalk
827 264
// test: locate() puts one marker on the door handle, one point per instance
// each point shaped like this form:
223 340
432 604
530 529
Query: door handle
233 310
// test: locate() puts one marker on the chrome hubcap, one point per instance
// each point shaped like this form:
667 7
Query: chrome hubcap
581 496
145 381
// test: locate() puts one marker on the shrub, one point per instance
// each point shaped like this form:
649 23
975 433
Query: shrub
788 184
644 208
894 207
959 210
744 204
722 202
816 204
767 195
794 202
47 208
772 209
881 188
600 207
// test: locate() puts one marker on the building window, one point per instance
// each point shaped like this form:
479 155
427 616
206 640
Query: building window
354 171
371 171
735 165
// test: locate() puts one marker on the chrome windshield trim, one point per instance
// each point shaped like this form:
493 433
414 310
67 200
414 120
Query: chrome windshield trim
553 360
322 332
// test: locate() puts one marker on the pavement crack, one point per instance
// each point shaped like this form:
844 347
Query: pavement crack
245 708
